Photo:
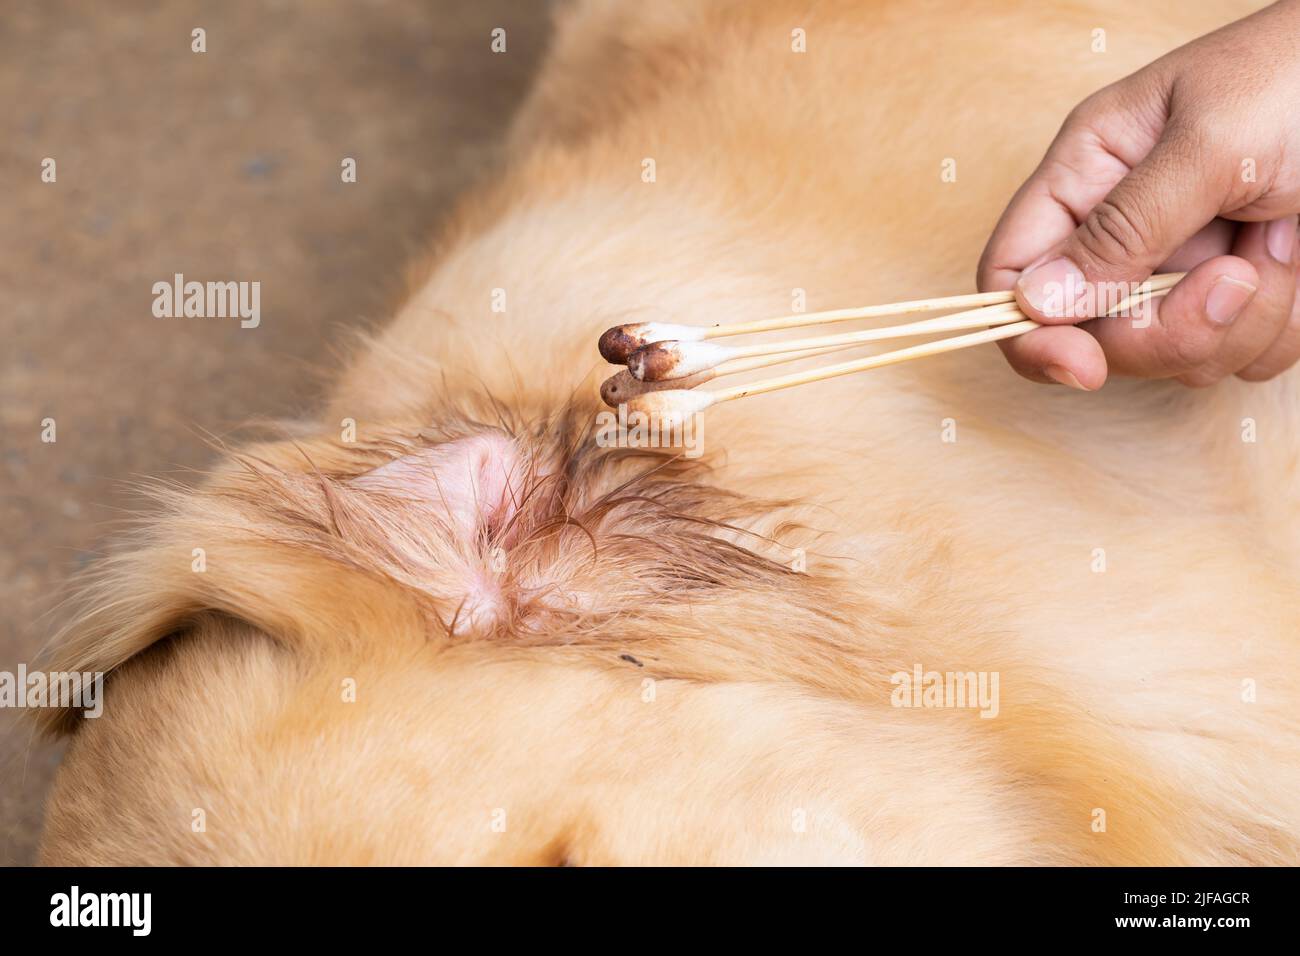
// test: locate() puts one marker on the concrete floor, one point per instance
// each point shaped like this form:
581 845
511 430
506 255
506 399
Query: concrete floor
221 166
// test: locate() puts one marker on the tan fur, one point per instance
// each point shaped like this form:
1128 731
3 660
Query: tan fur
649 681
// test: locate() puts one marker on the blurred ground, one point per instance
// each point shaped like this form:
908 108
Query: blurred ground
221 166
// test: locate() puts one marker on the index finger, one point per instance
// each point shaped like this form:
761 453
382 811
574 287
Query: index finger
1077 172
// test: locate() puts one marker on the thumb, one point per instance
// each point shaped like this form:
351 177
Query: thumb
1151 212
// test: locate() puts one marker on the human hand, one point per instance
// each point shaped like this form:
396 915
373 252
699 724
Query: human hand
1191 164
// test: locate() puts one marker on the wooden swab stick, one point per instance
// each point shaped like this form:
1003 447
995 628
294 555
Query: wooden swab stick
663 361
924 350
673 405
618 343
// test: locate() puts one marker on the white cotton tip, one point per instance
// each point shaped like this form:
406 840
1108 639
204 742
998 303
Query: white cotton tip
661 361
622 340
670 407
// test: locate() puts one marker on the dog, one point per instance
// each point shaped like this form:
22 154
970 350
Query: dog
930 615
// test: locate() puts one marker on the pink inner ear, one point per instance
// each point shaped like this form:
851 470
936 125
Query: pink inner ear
475 479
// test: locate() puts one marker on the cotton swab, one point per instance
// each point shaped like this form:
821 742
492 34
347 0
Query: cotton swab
672 404
662 361
618 343
622 340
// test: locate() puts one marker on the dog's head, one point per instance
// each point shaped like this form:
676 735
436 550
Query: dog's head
471 643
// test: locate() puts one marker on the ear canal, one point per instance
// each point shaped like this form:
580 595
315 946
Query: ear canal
475 480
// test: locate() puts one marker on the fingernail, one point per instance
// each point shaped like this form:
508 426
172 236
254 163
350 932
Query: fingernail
1063 376
1281 239
1226 299
1053 287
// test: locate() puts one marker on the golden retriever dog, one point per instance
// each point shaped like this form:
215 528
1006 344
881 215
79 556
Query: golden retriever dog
934 614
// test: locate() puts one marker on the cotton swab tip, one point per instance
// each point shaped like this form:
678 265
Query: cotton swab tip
618 343
672 406
622 387
661 361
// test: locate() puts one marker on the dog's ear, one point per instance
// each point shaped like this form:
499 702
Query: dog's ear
211 552
307 543
476 482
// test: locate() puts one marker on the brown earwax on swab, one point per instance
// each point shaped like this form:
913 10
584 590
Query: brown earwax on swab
622 387
618 343
675 404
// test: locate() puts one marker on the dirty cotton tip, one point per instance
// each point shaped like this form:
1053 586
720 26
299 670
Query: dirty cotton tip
622 387
661 361
622 340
